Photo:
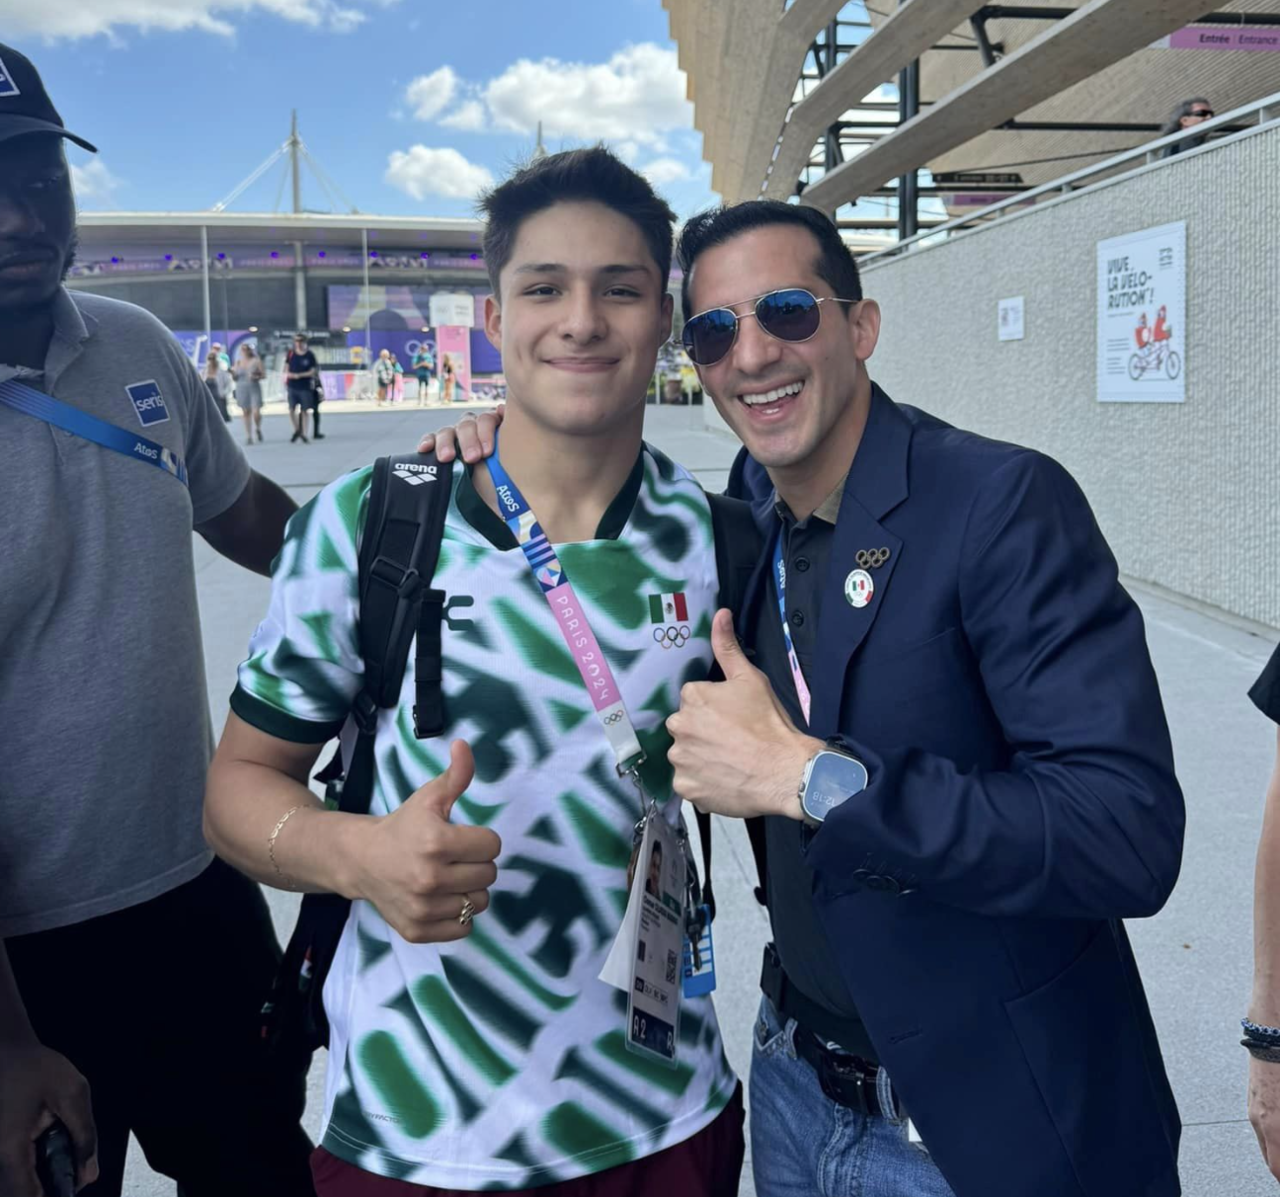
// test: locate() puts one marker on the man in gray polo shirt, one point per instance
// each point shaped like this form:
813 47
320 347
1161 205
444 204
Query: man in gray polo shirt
134 960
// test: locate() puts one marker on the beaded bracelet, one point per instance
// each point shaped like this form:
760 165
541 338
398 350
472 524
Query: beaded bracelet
1267 1035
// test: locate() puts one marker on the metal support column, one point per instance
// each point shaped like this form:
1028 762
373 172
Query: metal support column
299 288
208 307
832 155
908 184
368 342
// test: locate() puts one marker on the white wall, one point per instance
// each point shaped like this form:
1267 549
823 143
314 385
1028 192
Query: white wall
1187 494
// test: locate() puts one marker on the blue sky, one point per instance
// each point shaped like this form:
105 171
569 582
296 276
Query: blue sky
409 105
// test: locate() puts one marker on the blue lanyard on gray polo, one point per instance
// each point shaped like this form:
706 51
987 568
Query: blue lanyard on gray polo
31 402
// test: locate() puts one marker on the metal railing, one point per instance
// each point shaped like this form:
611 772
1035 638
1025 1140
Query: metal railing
1268 114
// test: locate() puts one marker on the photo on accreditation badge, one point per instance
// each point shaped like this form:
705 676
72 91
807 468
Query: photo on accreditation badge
653 1013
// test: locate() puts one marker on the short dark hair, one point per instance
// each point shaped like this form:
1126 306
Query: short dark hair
591 175
715 226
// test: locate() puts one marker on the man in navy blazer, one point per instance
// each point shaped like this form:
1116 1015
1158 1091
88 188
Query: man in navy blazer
984 788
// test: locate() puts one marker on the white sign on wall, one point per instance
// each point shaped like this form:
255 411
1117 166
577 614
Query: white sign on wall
1142 316
1009 319
452 310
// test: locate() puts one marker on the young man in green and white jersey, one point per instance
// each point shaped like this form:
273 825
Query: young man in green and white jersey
489 1056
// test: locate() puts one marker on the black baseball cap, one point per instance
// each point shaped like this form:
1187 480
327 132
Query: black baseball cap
25 106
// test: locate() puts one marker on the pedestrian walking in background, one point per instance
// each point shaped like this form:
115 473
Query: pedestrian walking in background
249 373
219 382
1262 1024
135 960
301 371
224 359
1187 115
384 374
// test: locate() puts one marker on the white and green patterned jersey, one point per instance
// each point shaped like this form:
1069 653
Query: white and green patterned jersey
498 1062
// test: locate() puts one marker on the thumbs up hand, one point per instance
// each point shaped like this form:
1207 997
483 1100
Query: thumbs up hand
735 750
420 870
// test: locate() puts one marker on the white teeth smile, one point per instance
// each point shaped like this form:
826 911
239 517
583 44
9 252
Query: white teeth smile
773 396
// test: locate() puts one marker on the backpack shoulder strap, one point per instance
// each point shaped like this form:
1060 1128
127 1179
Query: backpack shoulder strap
404 525
408 502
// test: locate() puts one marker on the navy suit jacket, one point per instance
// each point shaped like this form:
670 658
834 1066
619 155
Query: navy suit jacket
1022 801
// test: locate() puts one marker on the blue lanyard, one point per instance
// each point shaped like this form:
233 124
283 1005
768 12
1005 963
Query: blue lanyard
37 404
797 674
571 619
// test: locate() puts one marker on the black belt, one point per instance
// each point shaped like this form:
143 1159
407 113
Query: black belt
846 1079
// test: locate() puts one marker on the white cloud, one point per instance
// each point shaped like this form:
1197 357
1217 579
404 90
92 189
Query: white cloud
469 116
429 95
421 171
662 171
635 96
75 18
94 181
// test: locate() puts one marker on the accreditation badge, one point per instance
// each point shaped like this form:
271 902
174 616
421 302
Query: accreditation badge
653 999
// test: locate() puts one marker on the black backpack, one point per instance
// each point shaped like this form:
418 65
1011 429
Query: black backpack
408 501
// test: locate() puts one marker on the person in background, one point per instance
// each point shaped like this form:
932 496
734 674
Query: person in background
1186 115
249 373
447 378
1262 1026
397 381
423 361
384 374
317 398
218 381
673 391
301 370
223 359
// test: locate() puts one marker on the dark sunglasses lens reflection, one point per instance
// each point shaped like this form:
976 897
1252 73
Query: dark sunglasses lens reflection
789 315
708 337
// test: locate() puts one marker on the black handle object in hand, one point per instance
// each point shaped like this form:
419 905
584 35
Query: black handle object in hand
55 1162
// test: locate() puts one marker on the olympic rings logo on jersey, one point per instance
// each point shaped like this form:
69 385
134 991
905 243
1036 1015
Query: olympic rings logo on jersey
616 717
672 636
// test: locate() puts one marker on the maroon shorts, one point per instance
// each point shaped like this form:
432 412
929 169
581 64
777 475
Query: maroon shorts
707 1165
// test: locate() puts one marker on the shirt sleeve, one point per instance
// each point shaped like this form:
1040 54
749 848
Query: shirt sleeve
217 471
1265 692
304 668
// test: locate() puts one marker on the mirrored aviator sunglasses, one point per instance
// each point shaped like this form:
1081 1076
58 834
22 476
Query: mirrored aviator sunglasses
789 315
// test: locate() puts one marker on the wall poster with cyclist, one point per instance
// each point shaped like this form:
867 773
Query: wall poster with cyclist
1142 316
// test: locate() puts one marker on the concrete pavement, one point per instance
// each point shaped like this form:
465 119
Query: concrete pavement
1194 956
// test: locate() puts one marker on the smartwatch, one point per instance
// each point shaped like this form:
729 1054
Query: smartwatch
831 777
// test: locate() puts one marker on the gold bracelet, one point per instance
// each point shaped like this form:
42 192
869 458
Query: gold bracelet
289 882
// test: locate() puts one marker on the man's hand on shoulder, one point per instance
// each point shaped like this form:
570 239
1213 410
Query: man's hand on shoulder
470 439
734 749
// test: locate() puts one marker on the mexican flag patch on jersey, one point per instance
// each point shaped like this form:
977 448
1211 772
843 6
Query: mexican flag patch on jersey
663 608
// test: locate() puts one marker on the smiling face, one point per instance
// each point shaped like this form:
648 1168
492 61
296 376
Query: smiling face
785 400
37 221
581 314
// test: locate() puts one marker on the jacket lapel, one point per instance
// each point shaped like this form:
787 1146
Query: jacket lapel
877 483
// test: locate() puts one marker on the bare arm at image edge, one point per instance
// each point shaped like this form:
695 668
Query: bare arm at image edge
37 1085
1264 1008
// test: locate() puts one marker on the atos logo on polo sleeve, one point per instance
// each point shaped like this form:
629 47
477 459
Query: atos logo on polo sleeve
148 402
7 86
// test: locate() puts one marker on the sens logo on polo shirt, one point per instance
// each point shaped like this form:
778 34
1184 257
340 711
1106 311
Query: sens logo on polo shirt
148 403
7 86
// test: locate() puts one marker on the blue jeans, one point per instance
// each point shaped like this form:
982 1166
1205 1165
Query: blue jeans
803 1143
